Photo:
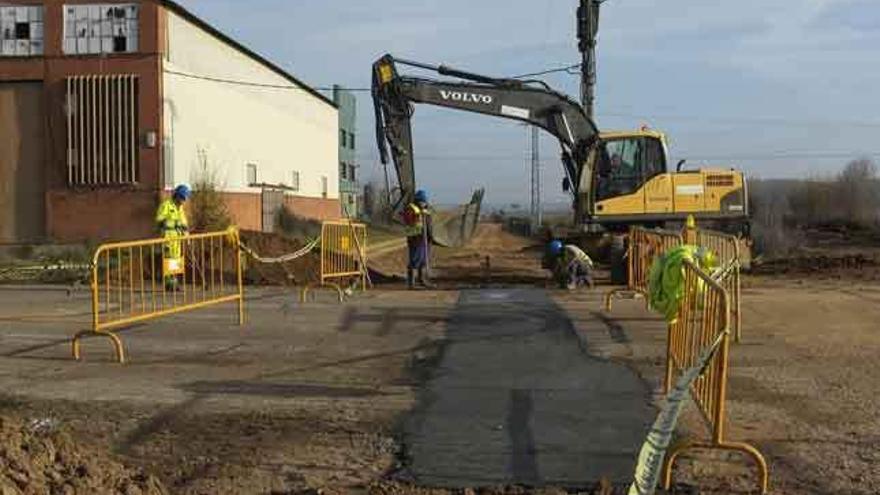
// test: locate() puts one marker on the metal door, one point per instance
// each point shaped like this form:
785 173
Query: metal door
273 201
22 167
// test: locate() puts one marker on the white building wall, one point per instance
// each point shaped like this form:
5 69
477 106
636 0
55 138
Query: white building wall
281 131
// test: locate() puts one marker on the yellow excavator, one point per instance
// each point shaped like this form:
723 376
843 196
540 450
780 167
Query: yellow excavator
616 179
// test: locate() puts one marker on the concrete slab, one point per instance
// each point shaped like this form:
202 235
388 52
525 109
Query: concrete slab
515 400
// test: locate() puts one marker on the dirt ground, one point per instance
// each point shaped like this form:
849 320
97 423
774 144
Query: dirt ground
309 397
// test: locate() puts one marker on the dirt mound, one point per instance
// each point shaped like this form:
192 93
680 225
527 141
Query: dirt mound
37 459
297 272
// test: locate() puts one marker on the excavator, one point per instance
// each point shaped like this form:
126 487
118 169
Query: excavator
616 179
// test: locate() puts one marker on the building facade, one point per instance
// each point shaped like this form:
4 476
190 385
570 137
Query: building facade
346 101
104 106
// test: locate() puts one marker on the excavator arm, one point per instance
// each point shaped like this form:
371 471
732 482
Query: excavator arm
527 101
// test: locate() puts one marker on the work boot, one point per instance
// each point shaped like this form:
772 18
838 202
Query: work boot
423 279
409 279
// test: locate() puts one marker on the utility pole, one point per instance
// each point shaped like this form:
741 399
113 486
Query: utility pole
587 29
536 210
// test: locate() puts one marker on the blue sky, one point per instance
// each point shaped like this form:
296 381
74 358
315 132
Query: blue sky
779 88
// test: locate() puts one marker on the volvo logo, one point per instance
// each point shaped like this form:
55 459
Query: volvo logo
466 97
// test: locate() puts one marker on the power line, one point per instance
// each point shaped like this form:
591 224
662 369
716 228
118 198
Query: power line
567 68
261 85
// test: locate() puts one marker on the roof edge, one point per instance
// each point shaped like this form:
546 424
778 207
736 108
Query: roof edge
213 31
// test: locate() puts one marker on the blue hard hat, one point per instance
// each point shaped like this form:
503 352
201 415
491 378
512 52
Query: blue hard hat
182 192
422 196
556 247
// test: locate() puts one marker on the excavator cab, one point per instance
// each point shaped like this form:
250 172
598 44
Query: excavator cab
626 180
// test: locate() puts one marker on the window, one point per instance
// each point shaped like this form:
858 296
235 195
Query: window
351 173
620 165
342 135
351 140
324 186
22 31
251 174
626 164
102 115
100 28
342 169
294 180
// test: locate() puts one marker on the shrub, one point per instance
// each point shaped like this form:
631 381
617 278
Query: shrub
208 210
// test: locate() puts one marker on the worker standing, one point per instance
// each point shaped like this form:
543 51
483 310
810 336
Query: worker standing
417 218
172 224
572 267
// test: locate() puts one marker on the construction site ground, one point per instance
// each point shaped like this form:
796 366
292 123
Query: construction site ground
493 378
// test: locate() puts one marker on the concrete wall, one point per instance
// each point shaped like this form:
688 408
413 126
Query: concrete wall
228 126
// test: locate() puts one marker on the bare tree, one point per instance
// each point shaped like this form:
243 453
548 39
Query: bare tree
857 193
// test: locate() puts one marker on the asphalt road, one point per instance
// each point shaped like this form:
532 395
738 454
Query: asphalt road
514 399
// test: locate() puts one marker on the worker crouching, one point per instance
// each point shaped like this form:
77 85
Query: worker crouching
572 267
173 225
417 219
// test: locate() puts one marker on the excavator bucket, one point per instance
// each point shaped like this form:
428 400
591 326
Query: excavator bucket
455 228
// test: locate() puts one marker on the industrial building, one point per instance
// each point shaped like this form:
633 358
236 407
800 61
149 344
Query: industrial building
105 106
346 101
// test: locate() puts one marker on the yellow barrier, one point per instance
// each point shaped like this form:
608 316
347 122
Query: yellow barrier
703 317
137 281
727 249
644 247
343 255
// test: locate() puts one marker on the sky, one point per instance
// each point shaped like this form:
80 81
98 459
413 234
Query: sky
777 88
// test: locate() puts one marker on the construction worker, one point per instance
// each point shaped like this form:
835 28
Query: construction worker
572 267
666 278
417 219
172 224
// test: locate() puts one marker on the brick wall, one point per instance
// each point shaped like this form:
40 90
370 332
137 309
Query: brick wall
314 208
100 215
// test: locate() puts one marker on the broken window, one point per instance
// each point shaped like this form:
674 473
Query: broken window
102 115
251 174
324 186
21 31
100 28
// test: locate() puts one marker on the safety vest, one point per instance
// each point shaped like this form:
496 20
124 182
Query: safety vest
170 217
414 219
573 253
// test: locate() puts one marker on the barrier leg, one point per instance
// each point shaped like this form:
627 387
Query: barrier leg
118 348
305 291
618 294
678 449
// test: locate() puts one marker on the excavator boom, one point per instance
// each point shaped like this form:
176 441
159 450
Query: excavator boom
527 101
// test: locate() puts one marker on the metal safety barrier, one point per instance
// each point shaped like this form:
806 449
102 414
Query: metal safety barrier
703 318
727 249
644 247
132 282
343 256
